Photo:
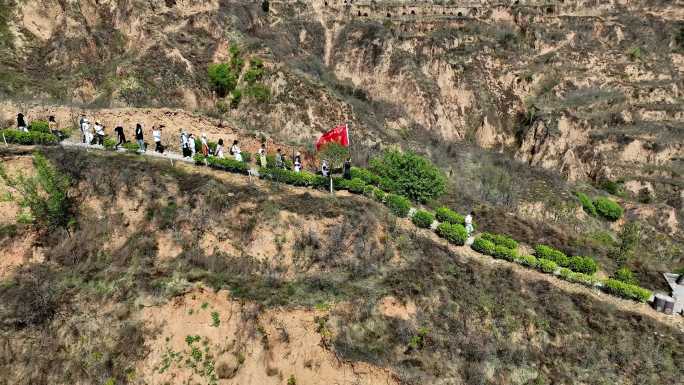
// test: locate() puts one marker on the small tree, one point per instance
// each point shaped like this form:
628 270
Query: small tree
222 78
410 175
45 194
335 154
629 241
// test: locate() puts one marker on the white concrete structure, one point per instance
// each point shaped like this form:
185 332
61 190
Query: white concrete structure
676 282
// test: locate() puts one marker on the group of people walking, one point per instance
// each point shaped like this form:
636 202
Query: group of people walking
93 133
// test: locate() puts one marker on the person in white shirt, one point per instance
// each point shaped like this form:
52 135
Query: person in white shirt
191 145
156 134
325 169
469 223
262 155
87 134
235 151
185 148
99 133
219 149
298 162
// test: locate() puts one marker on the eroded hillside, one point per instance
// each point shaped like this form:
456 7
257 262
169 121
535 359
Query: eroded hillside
591 91
170 273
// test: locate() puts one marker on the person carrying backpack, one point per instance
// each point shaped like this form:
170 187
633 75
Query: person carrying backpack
139 136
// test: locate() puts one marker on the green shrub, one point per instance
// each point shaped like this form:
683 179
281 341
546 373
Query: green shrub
40 126
222 78
445 214
454 233
364 174
379 195
227 164
483 246
503 252
28 138
625 275
356 185
321 182
409 175
615 188
528 260
45 194
423 219
501 240
340 183
398 204
586 265
626 290
109 143
547 252
608 208
302 178
581 278
368 190
586 203
546 265
259 92
246 156
131 146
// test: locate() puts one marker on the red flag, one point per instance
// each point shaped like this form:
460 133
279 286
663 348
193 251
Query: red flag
339 134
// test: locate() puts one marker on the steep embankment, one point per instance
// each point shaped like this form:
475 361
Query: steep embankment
309 277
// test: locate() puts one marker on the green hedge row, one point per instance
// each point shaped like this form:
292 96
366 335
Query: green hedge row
40 126
28 138
398 204
453 232
579 264
486 245
423 219
445 214
581 278
500 240
626 290
227 164
551 254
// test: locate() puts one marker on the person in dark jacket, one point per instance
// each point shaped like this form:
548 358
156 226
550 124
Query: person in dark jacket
347 169
120 135
21 123
139 137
